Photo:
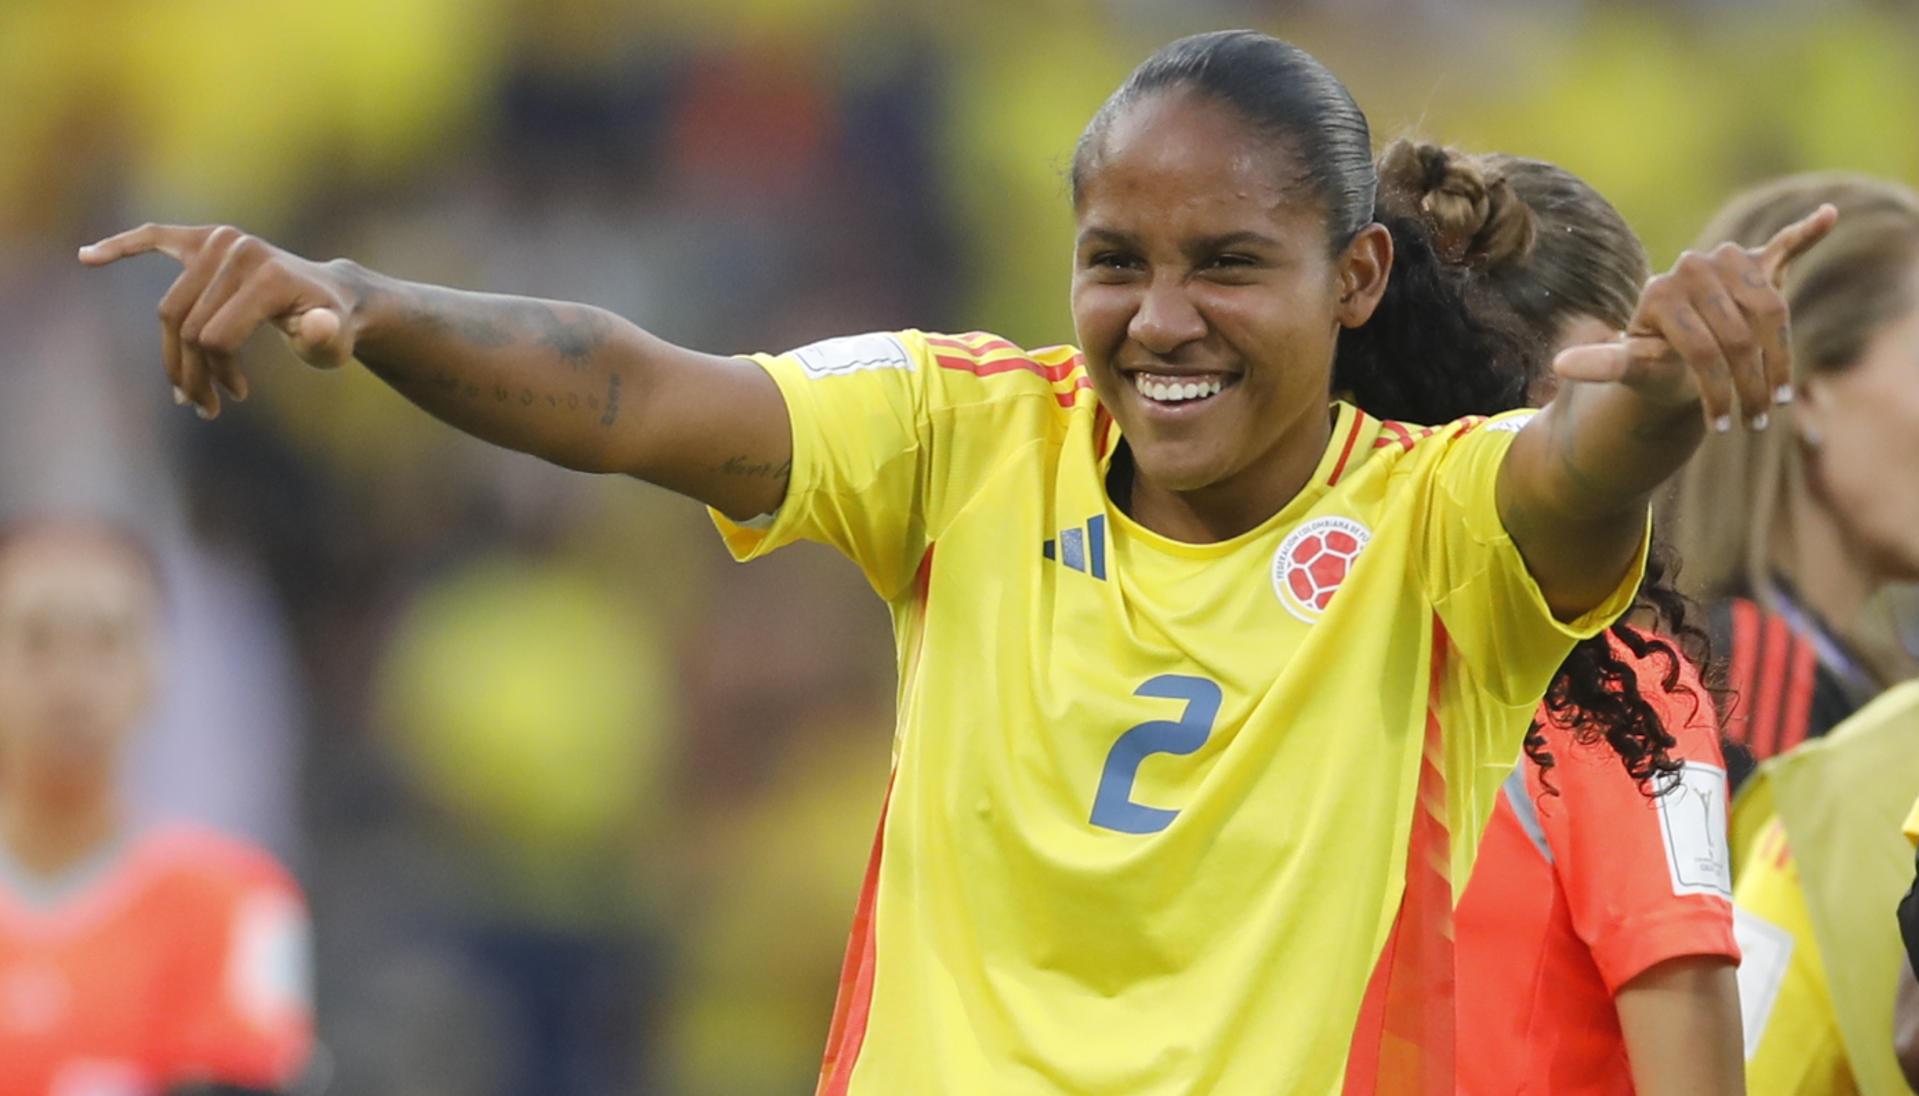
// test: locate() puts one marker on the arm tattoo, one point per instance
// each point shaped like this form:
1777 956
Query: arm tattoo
573 333
1569 463
530 365
1674 428
575 340
612 400
751 469
477 331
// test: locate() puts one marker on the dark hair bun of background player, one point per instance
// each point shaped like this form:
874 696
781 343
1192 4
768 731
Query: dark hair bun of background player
1475 216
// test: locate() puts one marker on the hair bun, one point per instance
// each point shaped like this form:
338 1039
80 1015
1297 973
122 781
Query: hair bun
1475 216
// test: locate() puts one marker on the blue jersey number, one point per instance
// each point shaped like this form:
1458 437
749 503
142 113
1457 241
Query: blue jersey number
1113 806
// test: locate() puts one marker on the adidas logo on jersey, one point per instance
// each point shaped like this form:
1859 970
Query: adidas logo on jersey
1082 550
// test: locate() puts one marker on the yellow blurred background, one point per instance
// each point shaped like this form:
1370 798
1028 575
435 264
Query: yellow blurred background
581 806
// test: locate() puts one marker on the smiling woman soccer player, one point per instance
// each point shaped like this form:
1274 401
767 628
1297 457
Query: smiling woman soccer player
1167 816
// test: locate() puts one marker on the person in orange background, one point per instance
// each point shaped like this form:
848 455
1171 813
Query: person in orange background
132 962
1596 951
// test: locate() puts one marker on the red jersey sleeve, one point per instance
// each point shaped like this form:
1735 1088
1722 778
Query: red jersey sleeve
1646 879
245 1013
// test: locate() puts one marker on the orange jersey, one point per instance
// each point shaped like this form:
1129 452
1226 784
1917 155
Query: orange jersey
179 955
1576 894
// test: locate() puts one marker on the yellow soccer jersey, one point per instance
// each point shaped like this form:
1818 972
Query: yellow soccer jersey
1816 894
1164 818
1793 1043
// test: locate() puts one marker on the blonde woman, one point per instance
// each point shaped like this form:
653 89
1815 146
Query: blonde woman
1795 531
1790 534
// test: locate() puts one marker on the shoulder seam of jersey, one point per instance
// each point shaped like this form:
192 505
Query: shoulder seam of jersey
974 359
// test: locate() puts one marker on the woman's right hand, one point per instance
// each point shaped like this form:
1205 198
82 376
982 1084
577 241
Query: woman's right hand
569 383
230 285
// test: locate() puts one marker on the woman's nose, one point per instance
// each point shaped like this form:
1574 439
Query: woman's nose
1166 319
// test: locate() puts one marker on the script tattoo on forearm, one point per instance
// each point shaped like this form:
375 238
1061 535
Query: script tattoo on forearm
747 467
447 384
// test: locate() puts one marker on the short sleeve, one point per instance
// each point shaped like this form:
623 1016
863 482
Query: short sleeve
893 432
248 1018
1645 879
1493 610
858 411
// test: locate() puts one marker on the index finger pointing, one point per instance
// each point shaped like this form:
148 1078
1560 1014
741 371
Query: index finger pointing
1795 240
173 241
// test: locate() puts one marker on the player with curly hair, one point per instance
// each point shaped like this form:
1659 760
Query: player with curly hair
1596 945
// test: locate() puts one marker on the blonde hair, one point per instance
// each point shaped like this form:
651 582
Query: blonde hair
1725 504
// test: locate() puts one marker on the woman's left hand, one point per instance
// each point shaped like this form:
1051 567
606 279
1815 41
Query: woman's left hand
1712 330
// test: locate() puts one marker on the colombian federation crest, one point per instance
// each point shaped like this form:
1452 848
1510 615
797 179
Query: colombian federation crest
1313 560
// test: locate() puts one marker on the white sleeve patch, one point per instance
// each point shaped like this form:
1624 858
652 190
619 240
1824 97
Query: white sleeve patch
93 1077
270 970
852 354
1765 951
1692 818
1512 424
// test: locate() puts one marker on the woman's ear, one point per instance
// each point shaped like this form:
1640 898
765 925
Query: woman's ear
1363 268
1811 408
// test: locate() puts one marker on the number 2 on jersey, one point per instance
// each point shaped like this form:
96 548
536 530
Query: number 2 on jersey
1113 806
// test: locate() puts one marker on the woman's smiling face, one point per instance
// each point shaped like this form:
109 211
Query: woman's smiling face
1207 295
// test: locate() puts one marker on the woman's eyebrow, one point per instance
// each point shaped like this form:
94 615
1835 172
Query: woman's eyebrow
1242 238
1110 236
1196 245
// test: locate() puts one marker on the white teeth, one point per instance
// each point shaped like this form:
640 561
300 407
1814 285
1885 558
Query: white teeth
1176 391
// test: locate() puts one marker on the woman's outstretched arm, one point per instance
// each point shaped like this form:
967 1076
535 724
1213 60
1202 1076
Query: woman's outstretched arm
569 383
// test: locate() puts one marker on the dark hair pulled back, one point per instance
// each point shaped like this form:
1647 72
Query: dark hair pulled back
1493 256
1279 89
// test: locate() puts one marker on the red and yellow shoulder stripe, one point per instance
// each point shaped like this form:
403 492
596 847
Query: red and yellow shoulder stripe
985 355
1406 434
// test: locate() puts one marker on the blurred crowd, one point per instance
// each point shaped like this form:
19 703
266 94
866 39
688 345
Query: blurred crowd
580 806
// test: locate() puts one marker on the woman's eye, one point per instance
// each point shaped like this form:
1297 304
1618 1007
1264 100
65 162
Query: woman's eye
1234 261
1113 260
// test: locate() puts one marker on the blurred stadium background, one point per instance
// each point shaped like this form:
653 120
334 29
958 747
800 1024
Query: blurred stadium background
581 806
